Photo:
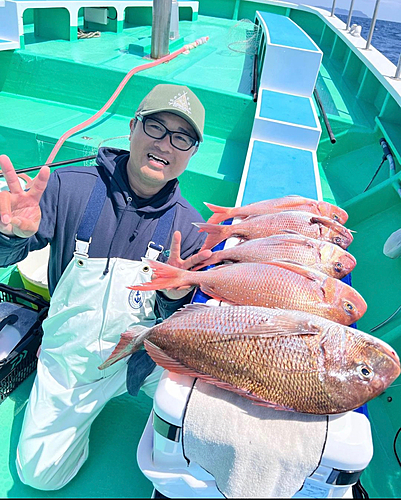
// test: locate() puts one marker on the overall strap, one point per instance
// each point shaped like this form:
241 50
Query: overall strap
90 218
163 228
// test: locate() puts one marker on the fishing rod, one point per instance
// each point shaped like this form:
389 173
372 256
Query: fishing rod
55 164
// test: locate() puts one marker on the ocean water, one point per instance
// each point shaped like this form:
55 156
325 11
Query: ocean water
386 36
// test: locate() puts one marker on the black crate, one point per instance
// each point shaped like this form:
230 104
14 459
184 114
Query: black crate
22 360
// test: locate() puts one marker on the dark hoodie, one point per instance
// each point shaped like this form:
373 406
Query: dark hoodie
125 226
124 229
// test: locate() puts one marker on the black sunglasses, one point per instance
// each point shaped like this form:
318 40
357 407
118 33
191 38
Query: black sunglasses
155 129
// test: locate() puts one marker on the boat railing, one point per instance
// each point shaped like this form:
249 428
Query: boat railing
372 25
371 30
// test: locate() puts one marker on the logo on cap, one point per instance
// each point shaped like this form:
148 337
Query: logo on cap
181 102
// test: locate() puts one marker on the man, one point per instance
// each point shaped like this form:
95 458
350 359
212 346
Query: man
99 222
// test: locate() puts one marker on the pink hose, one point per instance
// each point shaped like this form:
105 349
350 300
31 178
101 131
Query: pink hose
89 121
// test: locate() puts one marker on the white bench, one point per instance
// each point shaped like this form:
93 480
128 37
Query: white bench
281 157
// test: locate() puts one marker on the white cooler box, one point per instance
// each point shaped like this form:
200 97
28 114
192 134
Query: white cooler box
347 452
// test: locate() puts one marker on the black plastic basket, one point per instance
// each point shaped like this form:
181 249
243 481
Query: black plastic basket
22 360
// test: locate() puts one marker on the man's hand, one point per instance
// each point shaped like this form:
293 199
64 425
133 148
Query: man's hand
175 254
176 261
19 210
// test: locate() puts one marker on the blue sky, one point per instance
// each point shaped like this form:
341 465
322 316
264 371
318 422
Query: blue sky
389 10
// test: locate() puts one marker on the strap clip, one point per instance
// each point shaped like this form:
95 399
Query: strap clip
82 247
153 250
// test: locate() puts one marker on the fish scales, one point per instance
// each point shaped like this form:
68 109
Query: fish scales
262 226
278 284
270 286
285 359
256 365
321 255
290 202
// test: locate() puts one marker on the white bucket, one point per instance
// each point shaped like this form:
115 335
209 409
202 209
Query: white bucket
33 271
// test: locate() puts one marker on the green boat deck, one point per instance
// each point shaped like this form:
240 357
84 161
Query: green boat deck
52 85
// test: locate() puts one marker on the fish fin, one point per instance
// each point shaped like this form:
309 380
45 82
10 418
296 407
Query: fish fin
171 364
305 271
130 341
283 325
216 233
289 231
267 404
308 242
220 213
164 277
189 309
164 360
251 216
331 223
326 221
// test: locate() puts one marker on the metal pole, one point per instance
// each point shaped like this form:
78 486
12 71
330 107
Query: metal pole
372 26
333 140
161 15
398 70
350 14
332 8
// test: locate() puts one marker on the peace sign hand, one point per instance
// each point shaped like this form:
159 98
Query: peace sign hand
20 213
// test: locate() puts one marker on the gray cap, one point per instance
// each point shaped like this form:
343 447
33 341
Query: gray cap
176 99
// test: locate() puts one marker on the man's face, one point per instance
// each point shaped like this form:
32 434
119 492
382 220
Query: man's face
154 162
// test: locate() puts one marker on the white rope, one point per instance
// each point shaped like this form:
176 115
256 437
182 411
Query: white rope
88 34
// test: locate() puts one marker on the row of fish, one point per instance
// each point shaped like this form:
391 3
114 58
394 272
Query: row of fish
282 340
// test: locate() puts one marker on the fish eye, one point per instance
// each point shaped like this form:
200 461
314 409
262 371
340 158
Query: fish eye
365 372
337 240
336 217
349 307
338 267
145 269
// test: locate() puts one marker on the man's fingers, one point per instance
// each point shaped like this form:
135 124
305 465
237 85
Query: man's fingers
9 174
24 228
175 248
198 258
39 183
5 207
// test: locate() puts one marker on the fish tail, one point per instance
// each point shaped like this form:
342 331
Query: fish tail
216 234
220 213
166 277
130 342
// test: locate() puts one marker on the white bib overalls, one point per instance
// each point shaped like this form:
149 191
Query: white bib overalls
89 310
